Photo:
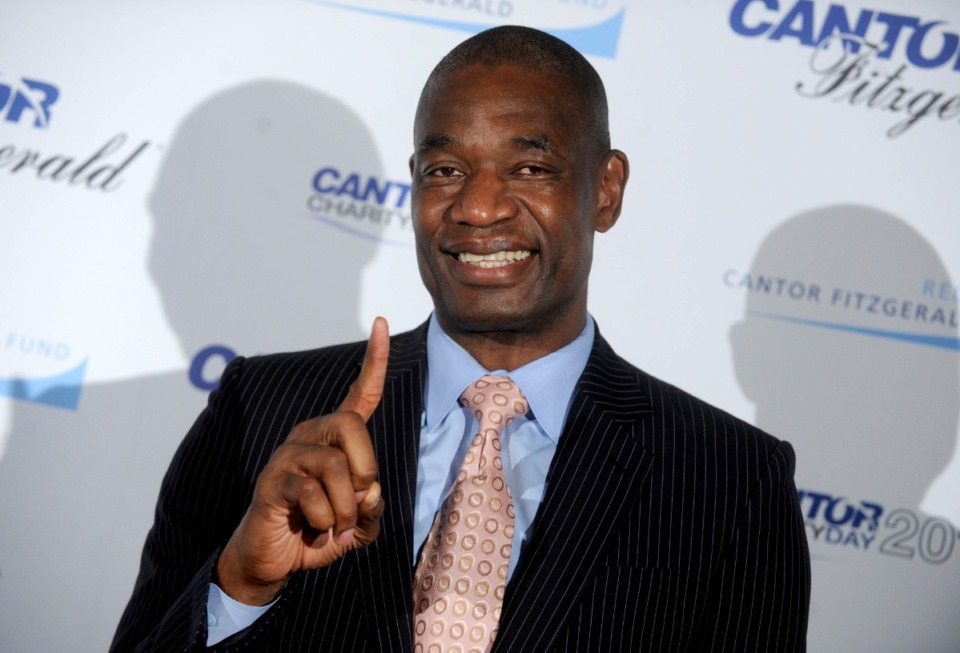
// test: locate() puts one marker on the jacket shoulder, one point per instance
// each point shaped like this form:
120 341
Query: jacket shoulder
688 415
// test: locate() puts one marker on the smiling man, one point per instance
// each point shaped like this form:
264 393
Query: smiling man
497 479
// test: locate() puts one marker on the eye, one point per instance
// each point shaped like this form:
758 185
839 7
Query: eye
443 171
532 171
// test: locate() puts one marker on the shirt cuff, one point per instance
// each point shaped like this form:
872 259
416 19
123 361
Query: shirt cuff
226 617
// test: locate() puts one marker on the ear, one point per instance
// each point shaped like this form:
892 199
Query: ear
613 172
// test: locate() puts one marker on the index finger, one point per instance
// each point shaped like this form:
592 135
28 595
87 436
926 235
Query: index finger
365 392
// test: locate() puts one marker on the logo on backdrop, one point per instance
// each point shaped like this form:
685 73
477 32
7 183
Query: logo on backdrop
207 365
363 205
591 26
837 523
40 369
29 102
927 317
868 59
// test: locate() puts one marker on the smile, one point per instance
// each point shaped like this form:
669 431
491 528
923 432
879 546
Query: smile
497 260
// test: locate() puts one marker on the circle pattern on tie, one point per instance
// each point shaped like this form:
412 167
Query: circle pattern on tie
461 578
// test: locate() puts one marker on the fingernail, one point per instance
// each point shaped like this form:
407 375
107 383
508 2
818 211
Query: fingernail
360 495
373 496
346 537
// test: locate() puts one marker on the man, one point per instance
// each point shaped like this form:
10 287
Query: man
298 508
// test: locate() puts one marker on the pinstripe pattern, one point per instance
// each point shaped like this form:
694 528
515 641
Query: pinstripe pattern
667 525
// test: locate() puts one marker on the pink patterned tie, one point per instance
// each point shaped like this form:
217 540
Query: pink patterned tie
459 584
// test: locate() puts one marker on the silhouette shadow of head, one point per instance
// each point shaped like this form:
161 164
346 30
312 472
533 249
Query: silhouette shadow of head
236 255
847 357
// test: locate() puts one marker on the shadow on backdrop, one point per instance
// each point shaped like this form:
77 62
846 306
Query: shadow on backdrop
238 260
868 392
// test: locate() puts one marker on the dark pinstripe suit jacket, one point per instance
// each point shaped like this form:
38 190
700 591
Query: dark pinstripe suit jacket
667 525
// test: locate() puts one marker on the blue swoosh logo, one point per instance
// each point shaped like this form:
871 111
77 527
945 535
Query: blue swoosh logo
60 390
600 39
943 342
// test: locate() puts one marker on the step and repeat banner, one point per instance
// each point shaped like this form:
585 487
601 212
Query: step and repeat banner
184 182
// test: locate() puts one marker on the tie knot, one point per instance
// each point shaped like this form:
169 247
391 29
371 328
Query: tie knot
495 399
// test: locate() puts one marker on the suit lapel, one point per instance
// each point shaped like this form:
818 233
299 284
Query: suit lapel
595 476
386 571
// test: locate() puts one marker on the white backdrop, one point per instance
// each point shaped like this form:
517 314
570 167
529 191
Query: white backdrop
183 181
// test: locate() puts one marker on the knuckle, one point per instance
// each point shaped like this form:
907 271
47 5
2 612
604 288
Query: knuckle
347 513
335 461
303 431
366 476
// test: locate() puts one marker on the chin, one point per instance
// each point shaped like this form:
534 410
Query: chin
482 318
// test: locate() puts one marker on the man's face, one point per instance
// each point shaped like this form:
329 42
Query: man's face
505 194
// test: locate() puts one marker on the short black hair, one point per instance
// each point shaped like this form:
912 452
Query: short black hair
532 49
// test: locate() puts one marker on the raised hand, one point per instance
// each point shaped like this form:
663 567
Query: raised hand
317 498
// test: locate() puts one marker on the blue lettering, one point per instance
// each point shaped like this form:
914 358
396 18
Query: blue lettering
199 363
39 104
830 514
838 22
404 190
949 292
737 15
800 22
378 193
816 499
317 180
915 54
363 189
351 187
870 512
894 25
804 11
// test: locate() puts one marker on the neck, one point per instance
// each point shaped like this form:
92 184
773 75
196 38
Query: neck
509 349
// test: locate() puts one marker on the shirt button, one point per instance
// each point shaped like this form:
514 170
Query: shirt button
211 620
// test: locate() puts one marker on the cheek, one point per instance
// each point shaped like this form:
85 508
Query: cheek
422 236
427 215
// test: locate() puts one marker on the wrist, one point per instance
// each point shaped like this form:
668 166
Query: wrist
241 587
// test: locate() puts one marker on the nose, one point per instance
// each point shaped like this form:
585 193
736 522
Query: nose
483 200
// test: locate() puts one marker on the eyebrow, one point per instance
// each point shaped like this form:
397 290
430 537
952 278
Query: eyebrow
533 142
435 143
539 142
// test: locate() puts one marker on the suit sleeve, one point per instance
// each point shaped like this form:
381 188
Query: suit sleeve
201 499
759 597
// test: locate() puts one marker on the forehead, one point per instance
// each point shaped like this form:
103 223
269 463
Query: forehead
480 98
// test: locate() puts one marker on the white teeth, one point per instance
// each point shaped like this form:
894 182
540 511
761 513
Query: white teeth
497 260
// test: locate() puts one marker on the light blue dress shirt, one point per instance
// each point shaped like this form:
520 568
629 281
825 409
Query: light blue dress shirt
446 429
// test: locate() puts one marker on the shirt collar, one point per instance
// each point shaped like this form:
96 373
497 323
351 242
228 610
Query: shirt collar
547 382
